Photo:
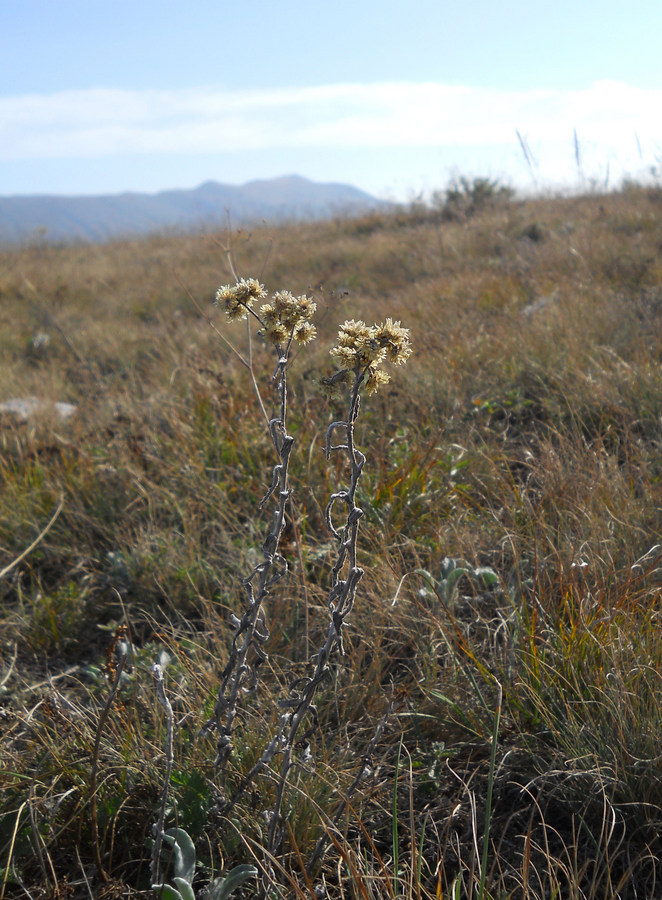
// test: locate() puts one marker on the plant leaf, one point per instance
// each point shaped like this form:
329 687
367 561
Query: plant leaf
166 892
185 889
449 565
450 583
486 575
184 853
221 888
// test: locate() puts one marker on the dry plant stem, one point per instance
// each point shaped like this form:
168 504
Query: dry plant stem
339 604
157 828
251 372
8 674
241 673
95 756
38 842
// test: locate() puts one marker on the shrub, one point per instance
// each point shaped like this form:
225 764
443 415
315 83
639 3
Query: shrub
464 197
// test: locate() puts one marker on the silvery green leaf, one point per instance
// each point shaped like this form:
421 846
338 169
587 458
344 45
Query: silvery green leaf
449 565
185 889
486 575
184 853
222 888
166 892
449 584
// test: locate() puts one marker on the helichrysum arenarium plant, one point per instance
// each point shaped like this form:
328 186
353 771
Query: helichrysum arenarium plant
361 352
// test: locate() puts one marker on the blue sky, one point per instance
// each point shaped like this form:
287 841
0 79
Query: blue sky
395 97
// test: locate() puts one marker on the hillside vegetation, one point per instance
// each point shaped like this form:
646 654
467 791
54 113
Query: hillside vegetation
495 725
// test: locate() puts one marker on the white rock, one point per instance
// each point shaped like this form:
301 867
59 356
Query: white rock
24 408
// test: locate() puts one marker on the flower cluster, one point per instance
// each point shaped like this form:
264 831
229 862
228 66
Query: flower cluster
288 317
239 298
364 348
361 349
285 318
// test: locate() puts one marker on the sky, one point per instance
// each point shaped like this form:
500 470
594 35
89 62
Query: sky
394 97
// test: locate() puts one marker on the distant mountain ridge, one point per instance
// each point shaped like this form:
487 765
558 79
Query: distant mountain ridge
99 218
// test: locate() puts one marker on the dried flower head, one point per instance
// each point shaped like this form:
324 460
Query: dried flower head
364 348
395 340
249 289
287 317
376 378
357 345
335 387
238 298
276 332
268 313
304 332
285 305
345 356
307 307
353 332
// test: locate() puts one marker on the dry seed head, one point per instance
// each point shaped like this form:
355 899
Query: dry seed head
293 310
276 332
367 347
357 345
238 298
335 387
287 316
305 332
268 313
249 289
370 353
376 378
307 307
353 331
286 306
346 356
395 340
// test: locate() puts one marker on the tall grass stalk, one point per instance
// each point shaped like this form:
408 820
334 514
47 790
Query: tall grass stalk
395 830
119 647
490 791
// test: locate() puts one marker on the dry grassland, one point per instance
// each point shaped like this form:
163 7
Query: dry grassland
512 500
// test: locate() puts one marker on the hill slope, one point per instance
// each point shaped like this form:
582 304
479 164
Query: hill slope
501 678
101 217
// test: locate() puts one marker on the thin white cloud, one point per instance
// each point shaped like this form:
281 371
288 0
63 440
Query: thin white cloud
99 122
